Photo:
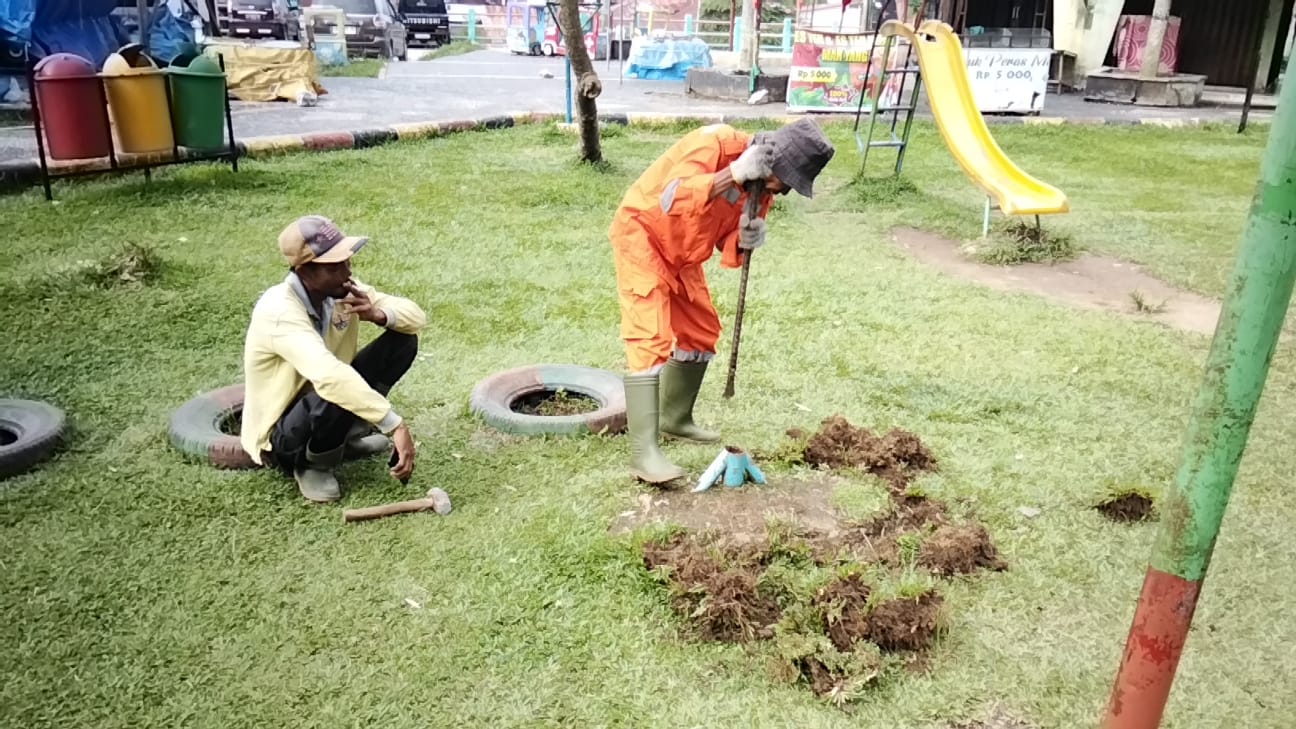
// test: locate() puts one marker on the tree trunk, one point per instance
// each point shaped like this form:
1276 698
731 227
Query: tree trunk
587 82
1156 39
733 18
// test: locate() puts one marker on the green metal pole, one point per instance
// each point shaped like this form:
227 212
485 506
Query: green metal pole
472 25
1236 368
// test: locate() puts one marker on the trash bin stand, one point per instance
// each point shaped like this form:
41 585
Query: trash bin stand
40 133
230 154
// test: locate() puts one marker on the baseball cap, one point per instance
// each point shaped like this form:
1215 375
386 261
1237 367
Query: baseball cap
315 239
801 151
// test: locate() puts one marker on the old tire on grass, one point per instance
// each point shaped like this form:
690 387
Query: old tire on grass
30 430
196 428
493 398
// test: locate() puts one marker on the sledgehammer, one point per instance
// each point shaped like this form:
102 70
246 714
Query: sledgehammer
754 190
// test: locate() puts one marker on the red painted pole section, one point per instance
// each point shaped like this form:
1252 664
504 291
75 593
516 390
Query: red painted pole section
1152 653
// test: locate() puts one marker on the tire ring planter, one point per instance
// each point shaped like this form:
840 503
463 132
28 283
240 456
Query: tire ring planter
196 429
493 399
30 430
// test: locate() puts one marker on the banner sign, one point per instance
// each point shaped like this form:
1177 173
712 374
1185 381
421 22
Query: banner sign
1008 79
828 71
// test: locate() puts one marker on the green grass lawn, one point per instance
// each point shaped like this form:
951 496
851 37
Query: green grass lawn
453 48
355 68
143 590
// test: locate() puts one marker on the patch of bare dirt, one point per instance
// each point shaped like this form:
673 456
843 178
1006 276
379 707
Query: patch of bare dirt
895 457
905 623
959 550
739 513
1127 507
1088 282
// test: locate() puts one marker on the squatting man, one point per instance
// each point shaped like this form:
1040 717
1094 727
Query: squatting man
311 399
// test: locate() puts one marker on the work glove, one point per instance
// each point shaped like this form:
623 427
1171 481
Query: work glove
751 233
755 163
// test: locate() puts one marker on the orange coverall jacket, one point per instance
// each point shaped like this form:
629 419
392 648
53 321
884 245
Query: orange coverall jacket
662 233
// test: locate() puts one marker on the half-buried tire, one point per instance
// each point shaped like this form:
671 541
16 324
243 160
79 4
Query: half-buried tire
494 399
203 428
30 430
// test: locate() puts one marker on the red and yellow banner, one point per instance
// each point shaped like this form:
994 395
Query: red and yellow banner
831 70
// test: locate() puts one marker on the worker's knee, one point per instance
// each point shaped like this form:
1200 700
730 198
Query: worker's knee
646 355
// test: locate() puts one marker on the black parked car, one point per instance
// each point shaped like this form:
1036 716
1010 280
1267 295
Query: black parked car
427 23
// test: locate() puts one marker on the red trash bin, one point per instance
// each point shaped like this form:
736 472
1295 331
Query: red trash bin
72 107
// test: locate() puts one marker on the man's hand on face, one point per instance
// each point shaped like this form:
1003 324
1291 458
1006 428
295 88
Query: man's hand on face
360 305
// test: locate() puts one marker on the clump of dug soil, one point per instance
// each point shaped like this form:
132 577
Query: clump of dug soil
895 457
1130 506
959 550
904 623
844 604
717 587
908 513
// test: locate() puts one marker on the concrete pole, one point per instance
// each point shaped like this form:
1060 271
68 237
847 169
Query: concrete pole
1155 40
1233 379
142 7
747 58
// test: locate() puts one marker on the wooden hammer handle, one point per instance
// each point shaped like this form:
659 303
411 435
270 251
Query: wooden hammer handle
377 512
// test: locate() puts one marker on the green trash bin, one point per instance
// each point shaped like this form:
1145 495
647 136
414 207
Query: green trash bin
198 104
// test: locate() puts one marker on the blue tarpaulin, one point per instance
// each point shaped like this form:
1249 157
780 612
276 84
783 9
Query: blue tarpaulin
84 27
666 59
16 18
170 30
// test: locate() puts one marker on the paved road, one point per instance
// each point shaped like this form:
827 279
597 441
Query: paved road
490 82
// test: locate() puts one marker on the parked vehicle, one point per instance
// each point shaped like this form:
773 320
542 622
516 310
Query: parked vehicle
374 28
524 26
427 22
555 45
263 19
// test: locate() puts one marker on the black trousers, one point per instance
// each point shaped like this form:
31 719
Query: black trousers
315 423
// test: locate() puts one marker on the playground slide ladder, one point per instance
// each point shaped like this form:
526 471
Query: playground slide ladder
910 67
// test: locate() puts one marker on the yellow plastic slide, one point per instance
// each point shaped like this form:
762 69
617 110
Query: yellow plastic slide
944 70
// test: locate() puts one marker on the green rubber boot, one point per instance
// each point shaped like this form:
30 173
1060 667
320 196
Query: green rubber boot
647 462
680 382
317 482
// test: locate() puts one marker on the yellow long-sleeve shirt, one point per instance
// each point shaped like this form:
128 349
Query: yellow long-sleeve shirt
288 345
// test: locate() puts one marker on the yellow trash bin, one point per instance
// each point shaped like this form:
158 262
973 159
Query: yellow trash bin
137 102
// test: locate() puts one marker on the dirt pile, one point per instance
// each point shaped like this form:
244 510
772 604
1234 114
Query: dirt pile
896 457
805 591
959 550
1127 507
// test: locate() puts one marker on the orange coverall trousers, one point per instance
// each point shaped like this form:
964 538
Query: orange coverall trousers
665 229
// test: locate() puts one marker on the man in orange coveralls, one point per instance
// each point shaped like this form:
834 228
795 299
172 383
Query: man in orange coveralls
687 205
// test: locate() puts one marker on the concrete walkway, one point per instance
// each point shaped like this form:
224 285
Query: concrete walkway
492 82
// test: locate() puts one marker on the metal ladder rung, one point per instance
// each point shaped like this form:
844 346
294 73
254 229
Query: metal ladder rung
885 109
893 142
